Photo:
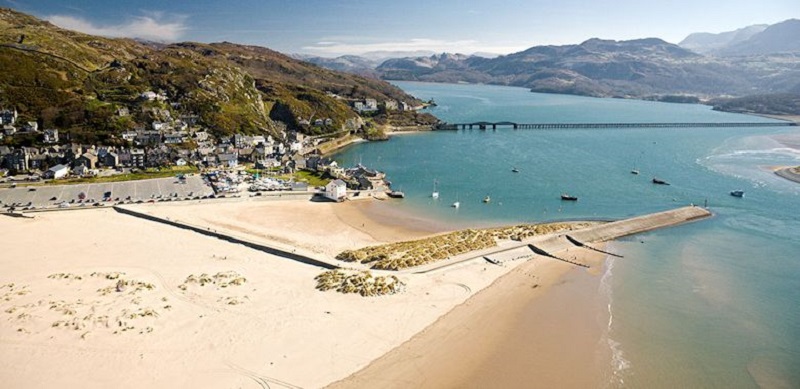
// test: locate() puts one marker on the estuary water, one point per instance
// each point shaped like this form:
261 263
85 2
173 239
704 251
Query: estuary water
713 304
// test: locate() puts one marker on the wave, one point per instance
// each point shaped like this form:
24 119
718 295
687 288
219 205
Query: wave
619 365
771 152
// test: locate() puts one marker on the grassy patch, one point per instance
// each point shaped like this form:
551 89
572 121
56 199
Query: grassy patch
313 178
142 175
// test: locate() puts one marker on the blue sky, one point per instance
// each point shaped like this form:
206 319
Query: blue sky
331 28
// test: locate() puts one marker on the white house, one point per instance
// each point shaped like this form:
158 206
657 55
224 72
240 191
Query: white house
336 190
51 136
180 162
56 172
8 116
296 146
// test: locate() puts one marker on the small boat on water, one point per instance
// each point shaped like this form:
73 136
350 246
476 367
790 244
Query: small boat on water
635 171
737 193
396 194
659 181
487 199
515 170
435 193
567 197
456 205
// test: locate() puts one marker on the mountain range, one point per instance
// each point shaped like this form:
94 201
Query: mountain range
79 83
761 59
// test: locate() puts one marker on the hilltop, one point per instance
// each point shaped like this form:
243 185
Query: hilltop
756 60
641 68
783 37
80 83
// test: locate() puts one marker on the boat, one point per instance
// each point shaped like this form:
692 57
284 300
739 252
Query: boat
659 181
435 193
487 199
567 197
396 194
456 205
635 171
515 170
737 193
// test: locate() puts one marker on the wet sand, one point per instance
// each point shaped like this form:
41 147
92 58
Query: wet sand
540 325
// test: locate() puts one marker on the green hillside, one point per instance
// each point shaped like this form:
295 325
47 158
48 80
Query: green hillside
77 83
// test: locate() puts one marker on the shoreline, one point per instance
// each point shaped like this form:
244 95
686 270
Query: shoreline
485 341
790 173
65 317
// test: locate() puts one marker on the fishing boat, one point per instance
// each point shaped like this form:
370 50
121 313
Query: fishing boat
659 181
567 197
737 193
435 193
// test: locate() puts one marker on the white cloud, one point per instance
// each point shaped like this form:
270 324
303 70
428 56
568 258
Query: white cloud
152 26
328 48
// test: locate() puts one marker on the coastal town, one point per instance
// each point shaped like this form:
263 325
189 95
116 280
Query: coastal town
181 152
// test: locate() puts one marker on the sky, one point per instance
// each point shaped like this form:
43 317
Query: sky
331 28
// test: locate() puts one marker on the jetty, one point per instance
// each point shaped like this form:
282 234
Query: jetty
554 243
484 125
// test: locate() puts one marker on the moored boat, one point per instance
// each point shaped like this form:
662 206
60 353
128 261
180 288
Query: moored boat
487 199
515 170
659 181
435 193
456 205
567 197
737 193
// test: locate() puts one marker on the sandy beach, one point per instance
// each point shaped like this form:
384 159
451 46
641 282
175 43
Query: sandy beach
89 294
537 326
792 141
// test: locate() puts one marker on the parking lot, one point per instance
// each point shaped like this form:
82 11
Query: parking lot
159 189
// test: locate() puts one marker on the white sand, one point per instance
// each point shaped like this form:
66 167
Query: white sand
280 332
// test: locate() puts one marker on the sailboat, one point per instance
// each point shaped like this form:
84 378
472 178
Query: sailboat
435 193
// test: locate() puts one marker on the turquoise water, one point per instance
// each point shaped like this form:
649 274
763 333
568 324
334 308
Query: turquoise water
709 304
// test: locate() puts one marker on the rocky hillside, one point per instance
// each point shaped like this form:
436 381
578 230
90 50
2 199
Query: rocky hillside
708 43
778 38
642 68
79 82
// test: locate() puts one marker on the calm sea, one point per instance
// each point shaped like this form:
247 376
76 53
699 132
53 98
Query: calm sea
714 304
